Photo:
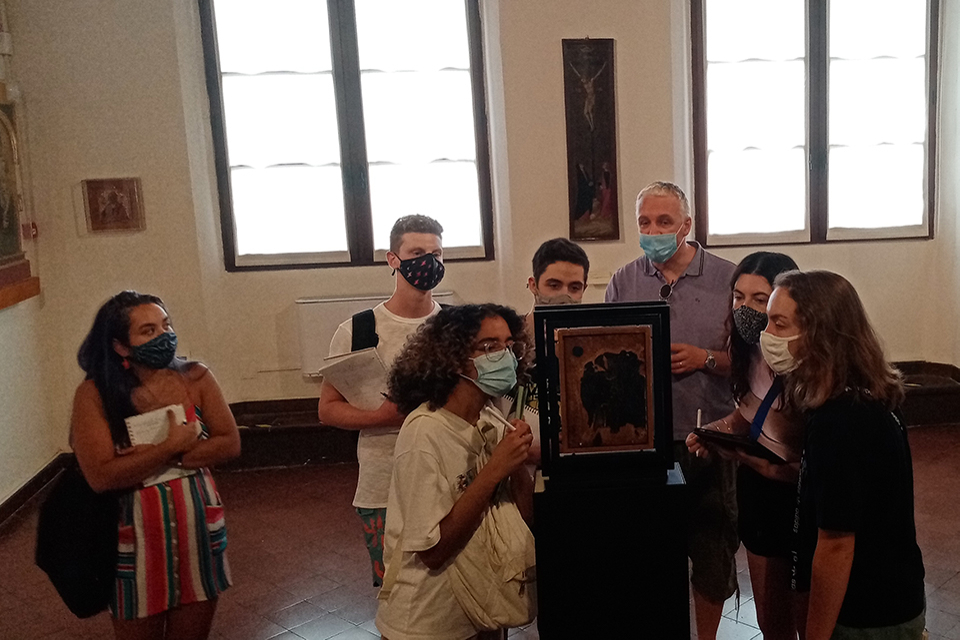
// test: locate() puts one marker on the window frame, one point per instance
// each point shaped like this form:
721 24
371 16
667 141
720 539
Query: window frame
353 153
817 137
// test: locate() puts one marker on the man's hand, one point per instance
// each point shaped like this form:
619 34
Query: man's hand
685 358
390 414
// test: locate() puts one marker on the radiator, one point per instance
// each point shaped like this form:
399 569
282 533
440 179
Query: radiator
318 319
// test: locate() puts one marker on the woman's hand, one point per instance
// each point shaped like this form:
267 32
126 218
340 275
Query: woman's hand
181 436
511 453
697 447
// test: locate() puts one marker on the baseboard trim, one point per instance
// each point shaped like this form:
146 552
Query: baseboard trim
12 504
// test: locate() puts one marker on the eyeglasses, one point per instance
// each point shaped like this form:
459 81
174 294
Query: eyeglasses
665 292
495 351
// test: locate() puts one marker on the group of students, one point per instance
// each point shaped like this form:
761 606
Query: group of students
823 502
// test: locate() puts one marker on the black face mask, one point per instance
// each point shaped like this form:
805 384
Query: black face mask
422 272
749 323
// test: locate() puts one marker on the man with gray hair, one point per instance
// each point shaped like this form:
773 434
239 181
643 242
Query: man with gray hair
696 285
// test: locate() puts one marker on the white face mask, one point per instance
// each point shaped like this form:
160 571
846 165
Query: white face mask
776 352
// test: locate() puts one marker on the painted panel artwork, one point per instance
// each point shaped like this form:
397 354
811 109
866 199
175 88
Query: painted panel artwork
606 388
113 205
10 200
588 88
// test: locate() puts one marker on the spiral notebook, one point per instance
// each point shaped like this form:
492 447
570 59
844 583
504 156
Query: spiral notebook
152 427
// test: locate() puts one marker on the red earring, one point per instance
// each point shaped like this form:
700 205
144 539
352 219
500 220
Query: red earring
125 363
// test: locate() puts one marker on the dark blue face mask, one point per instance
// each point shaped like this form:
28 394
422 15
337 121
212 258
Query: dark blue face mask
158 353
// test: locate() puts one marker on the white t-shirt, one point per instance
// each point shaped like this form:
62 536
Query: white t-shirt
436 459
375 446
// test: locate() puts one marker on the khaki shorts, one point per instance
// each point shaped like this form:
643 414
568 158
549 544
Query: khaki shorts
712 539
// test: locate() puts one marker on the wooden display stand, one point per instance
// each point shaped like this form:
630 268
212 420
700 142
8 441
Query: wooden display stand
610 517
612 560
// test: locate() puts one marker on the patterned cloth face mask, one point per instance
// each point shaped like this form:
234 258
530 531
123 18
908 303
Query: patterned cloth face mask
749 323
158 353
422 272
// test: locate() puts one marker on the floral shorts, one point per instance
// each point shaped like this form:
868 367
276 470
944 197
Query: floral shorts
373 535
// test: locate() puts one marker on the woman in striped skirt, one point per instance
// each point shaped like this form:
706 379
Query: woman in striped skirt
171 562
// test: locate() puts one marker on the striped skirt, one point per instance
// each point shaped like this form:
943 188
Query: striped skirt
171 548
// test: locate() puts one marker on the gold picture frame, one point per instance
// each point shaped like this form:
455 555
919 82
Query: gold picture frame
11 193
606 388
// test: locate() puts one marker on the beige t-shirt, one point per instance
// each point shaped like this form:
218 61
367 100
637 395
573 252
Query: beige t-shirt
375 446
436 460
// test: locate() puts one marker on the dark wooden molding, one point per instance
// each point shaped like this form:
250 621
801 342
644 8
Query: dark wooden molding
698 59
218 128
344 47
933 76
12 294
817 125
36 484
481 125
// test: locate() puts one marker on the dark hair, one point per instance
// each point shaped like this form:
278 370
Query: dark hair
429 366
839 349
104 365
767 265
559 250
415 223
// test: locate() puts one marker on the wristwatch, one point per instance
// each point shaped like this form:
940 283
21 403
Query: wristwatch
710 362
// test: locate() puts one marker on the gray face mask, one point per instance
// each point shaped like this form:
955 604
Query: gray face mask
561 298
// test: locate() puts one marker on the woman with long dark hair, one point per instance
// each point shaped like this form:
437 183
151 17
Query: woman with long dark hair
857 547
171 565
445 379
768 471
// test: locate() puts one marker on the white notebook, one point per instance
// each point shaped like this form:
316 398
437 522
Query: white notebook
359 376
152 427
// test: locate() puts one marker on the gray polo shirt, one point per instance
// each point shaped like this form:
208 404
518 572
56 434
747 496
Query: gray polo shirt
699 306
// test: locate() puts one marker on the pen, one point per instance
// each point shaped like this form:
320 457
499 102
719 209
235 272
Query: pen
699 415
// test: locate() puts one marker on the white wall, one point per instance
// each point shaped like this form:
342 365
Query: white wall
116 88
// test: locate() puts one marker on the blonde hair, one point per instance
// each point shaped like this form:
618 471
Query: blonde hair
663 188
840 350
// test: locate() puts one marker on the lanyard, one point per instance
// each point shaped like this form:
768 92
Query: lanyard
756 427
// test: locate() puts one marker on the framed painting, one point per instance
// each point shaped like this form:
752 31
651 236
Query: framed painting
604 391
590 106
11 200
16 282
606 388
114 204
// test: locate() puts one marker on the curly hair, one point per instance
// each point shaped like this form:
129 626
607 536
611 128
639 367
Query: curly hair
768 265
840 350
429 366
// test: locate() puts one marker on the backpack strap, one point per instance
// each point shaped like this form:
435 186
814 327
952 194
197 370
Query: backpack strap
364 331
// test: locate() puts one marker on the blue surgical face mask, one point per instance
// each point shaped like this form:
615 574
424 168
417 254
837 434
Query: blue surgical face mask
496 372
659 248
158 353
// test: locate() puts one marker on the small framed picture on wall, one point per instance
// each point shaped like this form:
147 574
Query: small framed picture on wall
114 204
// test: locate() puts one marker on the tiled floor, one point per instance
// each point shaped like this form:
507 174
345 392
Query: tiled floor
301 570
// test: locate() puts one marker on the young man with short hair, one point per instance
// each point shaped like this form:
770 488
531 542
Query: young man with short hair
560 269
416 257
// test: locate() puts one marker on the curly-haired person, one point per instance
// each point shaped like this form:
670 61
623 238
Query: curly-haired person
445 377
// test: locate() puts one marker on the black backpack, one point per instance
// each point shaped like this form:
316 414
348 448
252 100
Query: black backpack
365 329
77 542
